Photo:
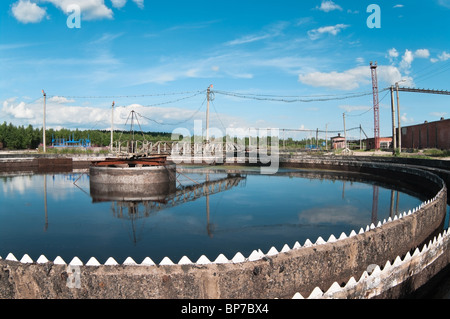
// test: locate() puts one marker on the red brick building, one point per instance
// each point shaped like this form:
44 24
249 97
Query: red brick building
338 142
427 135
385 142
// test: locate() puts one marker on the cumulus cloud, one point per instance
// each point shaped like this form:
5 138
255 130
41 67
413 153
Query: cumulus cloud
63 112
393 53
90 9
18 111
422 53
408 57
444 56
333 30
28 12
119 3
346 80
406 61
139 3
328 6
353 78
391 74
405 119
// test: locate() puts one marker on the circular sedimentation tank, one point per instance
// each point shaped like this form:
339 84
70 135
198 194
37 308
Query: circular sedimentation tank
149 178
382 260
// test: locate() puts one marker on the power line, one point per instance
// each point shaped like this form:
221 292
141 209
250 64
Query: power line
351 115
429 74
126 96
174 101
177 123
292 99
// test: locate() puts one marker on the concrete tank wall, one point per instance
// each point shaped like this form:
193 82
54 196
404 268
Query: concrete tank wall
286 272
132 183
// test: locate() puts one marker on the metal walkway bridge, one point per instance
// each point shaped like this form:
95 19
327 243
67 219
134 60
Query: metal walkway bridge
132 209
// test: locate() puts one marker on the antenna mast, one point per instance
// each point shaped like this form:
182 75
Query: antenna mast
376 107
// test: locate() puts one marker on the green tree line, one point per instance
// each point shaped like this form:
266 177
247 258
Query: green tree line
20 137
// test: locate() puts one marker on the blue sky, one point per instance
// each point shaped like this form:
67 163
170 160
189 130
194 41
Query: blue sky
158 58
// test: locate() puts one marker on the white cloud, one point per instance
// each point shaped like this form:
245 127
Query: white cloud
119 3
139 3
444 56
354 78
398 6
19 111
391 74
328 6
60 99
248 39
407 59
90 9
422 53
347 80
27 12
351 108
393 53
405 119
333 30
273 31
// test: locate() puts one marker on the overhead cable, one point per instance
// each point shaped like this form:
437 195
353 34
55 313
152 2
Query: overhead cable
127 96
291 99
177 123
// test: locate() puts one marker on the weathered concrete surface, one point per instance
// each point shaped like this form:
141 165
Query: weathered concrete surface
132 183
278 276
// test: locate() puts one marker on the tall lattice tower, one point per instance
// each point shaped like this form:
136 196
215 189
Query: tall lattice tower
376 107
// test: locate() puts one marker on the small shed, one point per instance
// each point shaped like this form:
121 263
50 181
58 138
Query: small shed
338 142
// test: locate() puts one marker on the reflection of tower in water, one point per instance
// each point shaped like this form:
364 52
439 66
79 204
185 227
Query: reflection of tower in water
134 210
375 195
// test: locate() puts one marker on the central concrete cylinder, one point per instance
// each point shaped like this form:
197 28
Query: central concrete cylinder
132 183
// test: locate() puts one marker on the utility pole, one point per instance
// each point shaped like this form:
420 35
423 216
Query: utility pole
43 127
394 134
399 126
360 137
345 132
208 92
112 124
317 139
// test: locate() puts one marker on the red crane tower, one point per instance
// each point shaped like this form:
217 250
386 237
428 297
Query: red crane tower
376 108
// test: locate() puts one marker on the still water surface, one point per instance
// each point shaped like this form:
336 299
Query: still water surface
55 215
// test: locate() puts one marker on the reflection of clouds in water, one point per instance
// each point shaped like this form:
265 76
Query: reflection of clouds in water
17 185
333 215
58 186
